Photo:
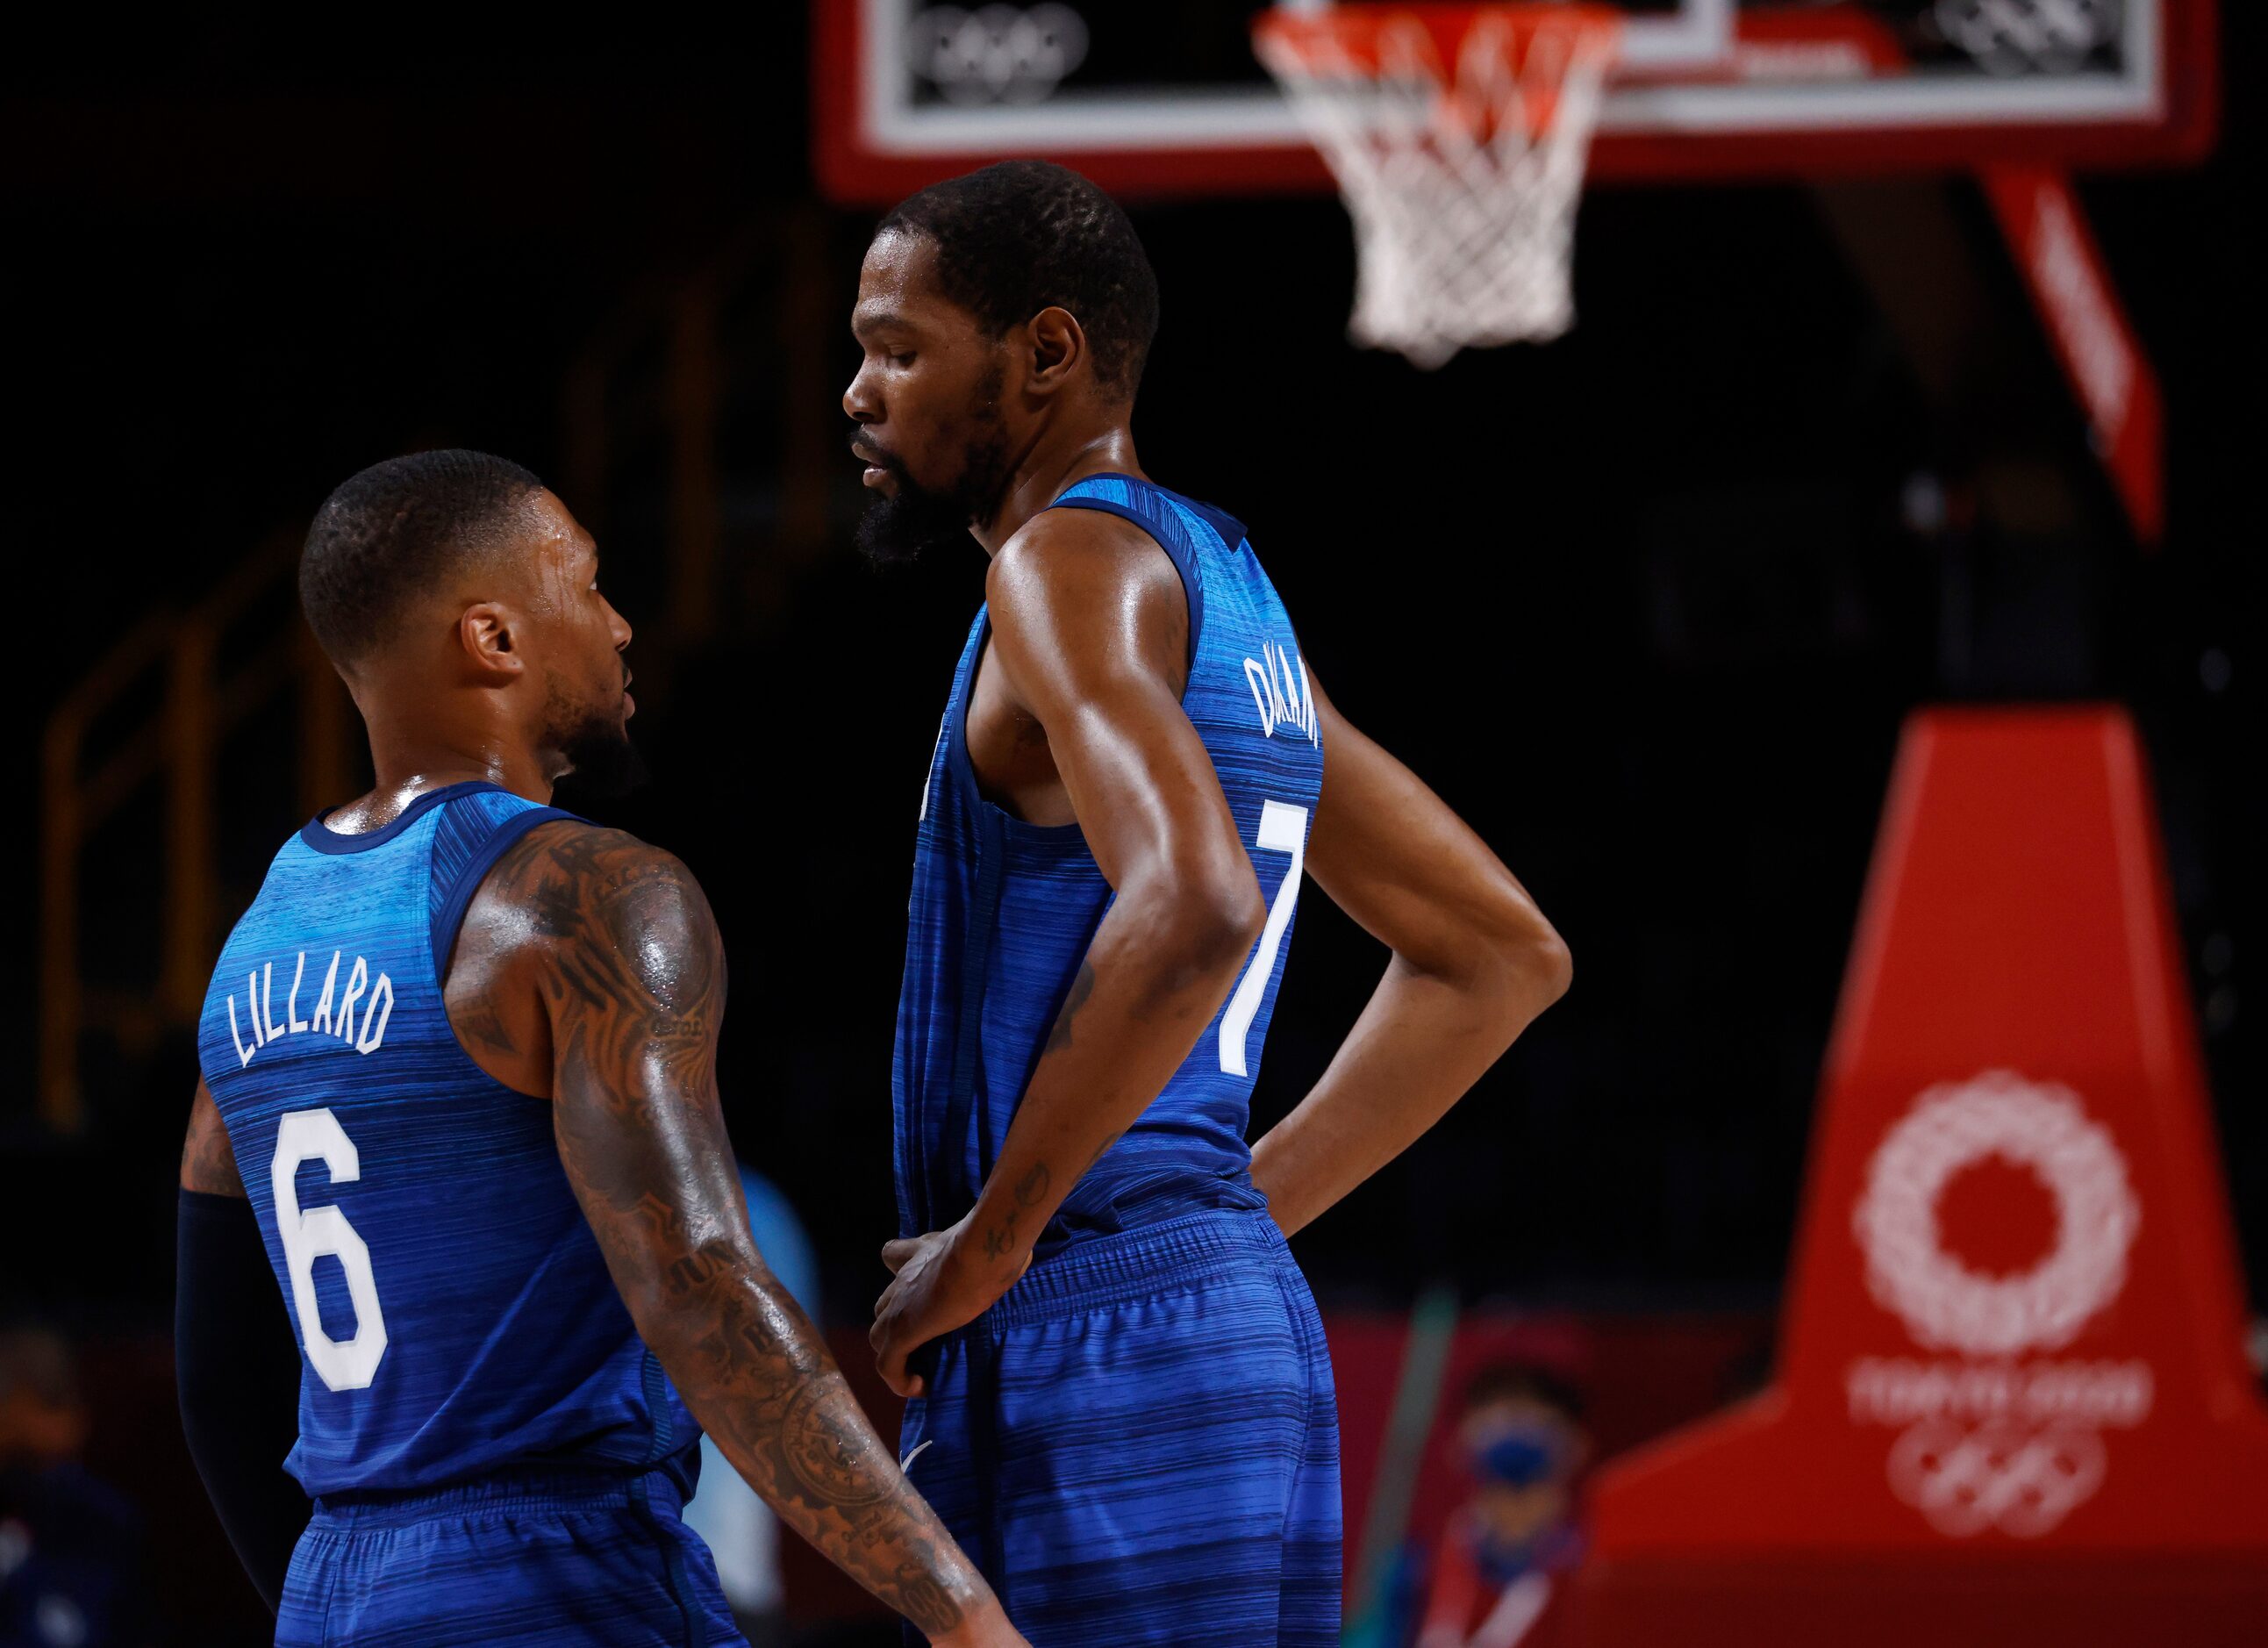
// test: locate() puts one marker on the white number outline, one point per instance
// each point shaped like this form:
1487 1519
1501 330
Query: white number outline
315 1135
1283 829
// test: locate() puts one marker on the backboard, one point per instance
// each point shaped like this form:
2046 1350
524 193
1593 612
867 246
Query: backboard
1164 97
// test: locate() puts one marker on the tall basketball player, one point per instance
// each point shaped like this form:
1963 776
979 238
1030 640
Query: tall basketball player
459 1065
1123 1401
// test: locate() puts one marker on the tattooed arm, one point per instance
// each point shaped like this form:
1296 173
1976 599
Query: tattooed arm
1090 630
208 1160
628 975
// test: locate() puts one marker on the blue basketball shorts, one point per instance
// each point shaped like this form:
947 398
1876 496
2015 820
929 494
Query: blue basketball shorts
569 1561
1140 1442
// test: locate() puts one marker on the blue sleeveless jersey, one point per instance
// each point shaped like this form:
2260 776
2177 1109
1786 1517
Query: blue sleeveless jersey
1003 911
454 1310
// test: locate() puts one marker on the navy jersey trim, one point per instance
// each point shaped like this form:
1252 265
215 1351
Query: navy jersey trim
964 770
451 915
656 1386
323 839
1231 530
1226 526
1166 531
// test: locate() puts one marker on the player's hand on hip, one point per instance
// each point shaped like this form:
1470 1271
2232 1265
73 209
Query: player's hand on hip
939 1281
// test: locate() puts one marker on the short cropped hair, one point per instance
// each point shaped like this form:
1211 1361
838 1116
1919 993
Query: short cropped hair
1016 237
388 533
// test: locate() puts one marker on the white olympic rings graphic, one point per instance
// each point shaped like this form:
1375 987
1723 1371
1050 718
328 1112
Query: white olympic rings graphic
2010 37
1942 1302
996 54
2023 1484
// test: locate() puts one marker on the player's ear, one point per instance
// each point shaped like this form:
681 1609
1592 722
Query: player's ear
486 633
1058 344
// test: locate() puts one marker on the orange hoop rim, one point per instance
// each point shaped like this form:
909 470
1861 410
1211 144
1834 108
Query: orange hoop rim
1350 45
1343 34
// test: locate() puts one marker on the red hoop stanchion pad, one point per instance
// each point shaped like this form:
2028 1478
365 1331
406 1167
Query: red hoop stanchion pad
2013 1404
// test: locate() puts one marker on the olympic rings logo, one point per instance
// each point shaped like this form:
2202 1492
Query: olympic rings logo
1966 1480
997 53
1955 1126
2012 37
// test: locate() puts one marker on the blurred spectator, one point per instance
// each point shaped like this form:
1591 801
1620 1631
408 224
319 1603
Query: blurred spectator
739 1529
1504 1556
71 1569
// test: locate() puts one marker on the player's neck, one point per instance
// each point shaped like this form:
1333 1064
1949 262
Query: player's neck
412 759
1050 467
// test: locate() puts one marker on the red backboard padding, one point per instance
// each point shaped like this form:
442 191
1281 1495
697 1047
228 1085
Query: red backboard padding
2013 1404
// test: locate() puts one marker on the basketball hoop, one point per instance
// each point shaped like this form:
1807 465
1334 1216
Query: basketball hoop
1458 135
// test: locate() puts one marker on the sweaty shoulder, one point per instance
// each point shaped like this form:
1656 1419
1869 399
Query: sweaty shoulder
575 914
1080 589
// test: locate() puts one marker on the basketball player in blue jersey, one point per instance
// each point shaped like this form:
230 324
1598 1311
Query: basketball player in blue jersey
459 1095
1123 1402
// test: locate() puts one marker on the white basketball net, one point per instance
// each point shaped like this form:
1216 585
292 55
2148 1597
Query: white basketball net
1463 186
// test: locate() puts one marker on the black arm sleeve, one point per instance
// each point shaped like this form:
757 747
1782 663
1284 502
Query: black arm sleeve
237 1363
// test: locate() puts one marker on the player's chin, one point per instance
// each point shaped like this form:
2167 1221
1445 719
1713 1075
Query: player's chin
603 761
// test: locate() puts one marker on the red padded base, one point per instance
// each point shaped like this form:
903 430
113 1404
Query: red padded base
2116 1602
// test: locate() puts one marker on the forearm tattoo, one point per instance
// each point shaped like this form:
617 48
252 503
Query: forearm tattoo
208 1159
1000 1239
1004 1234
633 979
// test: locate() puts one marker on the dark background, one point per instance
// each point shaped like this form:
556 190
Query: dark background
1647 606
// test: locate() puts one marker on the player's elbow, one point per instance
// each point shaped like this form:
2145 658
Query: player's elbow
1223 915
1520 962
1205 918
1547 963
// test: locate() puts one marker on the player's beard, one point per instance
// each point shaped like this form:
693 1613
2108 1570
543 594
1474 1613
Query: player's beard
596 742
899 526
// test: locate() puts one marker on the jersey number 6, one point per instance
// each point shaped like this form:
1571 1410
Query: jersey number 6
315 1135
1283 829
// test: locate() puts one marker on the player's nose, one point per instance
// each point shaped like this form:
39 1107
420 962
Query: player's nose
861 403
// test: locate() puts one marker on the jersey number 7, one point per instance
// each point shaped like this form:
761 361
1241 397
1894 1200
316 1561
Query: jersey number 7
1283 829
